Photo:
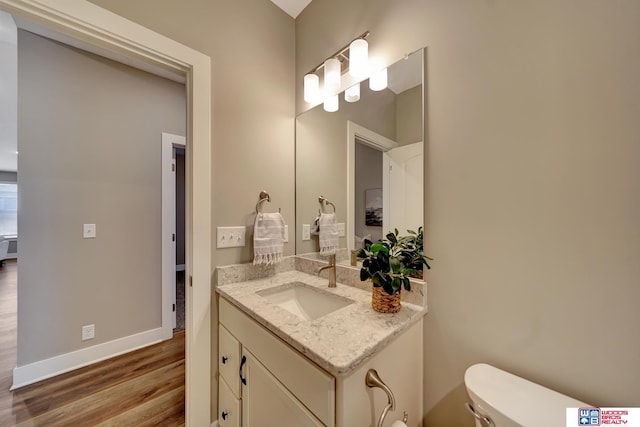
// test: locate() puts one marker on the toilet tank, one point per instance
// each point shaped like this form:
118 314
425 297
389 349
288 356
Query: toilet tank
511 401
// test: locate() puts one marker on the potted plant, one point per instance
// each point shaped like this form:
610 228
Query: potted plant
388 264
414 242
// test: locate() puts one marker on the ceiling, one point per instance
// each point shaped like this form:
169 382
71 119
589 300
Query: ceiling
292 7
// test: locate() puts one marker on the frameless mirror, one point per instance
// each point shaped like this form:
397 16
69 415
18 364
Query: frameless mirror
366 158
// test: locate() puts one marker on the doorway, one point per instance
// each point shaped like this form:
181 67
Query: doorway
400 170
173 232
91 25
74 178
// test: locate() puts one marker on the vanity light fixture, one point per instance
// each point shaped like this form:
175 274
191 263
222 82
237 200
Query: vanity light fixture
331 76
352 94
378 80
358 58
312 88
331 103
353 57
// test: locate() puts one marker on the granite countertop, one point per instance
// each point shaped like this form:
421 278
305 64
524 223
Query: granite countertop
338 342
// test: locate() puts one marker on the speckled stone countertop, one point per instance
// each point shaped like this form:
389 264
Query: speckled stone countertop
338 342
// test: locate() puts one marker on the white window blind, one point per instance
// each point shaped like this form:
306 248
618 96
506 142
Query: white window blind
8 209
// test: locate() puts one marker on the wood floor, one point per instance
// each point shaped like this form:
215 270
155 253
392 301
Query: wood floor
142 388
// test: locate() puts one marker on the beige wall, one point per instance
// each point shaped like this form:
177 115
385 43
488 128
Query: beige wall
251 45
89 143
532 183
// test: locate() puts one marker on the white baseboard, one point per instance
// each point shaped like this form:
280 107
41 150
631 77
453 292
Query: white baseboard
43 369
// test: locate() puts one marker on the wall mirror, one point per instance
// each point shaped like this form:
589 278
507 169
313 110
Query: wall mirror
366 158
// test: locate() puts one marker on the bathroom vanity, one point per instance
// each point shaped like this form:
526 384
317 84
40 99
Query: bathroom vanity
293 352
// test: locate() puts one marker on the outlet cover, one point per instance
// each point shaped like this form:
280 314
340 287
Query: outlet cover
306 231
88 332
340 227
231 237
89 231
286 233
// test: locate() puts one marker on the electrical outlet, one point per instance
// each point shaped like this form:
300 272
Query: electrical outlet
286 233
88 332
340 229
231 237
89 231
306 231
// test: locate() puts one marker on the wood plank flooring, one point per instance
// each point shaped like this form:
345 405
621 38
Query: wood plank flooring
142 388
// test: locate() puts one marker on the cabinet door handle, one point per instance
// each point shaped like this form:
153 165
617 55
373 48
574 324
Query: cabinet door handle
224 415
242 362
224 359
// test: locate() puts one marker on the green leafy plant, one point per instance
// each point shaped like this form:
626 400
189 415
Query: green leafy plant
414 243
390 262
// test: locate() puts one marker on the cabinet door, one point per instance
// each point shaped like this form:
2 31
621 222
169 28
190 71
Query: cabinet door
265 402
228 406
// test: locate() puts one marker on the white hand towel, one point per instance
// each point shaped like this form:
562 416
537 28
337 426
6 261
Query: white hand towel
268 238
328 235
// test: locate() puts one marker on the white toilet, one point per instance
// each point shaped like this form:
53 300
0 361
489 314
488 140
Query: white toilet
502 399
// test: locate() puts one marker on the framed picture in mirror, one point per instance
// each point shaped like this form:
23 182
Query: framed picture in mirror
373 207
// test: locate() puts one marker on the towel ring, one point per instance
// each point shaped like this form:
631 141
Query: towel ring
263 197
324 202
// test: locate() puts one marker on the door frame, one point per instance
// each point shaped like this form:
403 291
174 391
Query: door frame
84 23
374 140
169 142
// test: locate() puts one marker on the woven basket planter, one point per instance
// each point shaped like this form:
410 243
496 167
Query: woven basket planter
382 302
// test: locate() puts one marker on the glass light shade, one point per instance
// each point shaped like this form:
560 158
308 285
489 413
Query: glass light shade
331 103
311 88
358 58
352 94
378 80
331 77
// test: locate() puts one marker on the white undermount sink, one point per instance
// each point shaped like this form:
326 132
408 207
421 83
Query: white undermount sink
306 302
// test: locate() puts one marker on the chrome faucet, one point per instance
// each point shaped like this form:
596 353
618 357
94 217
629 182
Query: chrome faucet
332 273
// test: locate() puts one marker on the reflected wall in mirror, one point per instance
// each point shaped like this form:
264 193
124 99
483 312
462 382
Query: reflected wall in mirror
373 144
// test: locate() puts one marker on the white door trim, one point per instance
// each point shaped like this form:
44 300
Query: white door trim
374 140
88 23
169 141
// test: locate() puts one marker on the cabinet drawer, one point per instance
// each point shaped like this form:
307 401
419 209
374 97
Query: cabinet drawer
309 384
228 406
229 361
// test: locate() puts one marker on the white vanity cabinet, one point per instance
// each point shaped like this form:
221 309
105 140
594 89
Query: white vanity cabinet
278 386
264 382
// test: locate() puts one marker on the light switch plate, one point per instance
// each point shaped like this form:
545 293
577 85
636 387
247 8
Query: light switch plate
231 237
89 231
306 231
340 227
